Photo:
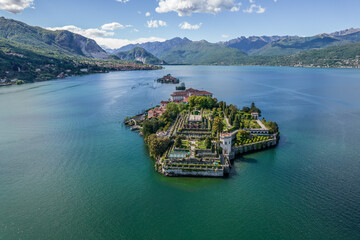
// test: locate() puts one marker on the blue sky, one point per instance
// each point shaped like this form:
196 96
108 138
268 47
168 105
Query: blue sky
113 23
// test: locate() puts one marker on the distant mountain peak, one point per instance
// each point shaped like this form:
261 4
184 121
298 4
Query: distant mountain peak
62 41
345 32
138 54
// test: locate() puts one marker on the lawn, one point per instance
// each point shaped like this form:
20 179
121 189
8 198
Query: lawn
201 144
185 144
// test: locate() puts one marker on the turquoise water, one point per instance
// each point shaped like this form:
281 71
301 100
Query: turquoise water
69 168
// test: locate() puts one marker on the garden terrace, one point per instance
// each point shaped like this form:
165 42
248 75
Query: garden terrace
253 139
205 153
191 125
207 161
178 153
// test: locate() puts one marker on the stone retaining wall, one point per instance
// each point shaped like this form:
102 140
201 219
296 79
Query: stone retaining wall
194 173
255 146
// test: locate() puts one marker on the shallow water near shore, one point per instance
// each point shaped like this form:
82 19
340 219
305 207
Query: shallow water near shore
70 169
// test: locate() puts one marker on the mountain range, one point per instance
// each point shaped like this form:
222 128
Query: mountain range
34 53
239 50
63 42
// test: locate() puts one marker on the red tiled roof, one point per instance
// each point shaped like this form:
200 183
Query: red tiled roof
182 93
202 93
191 90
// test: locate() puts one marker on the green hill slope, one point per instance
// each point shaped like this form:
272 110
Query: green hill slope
293 45
203 52
139 54
23 62
336 56
62 42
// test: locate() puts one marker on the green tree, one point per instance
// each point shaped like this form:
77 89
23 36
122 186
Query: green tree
218 125
227 112
208 142
236 123
224 106
214 112
157 146
246 109
192 102
210 102
151 126
255 109
173 107
233 109
242 135
178 142
221 104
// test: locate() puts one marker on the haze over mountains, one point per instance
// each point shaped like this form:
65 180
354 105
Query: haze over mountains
139 55
64 42
185 51
35 54
322 50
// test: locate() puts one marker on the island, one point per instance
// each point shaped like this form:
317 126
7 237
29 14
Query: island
168 79
192 134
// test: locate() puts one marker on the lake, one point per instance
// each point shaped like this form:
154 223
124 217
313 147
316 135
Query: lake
70 169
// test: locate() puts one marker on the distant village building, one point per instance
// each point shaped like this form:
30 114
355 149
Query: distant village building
156 112
168 79
183 95
255 115
163 103
179 97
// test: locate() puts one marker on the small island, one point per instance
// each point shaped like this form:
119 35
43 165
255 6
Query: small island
192 134
168 79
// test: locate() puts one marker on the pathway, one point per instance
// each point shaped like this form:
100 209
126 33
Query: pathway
192 149
227 122
261 124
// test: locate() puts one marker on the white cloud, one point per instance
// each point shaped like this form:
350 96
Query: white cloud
254 8
187 7
123 1
15 6
225 36
236 7
89 33
188 26
147 14
252 1
103 38
114 43
112 26
156 23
